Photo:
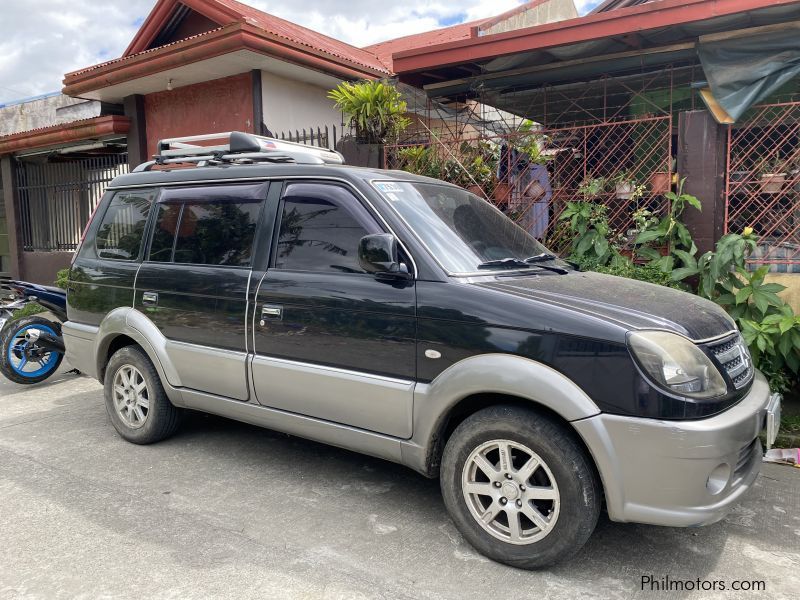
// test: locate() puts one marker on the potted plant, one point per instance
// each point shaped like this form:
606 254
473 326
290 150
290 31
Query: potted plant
502 192
481 176
420 160
773 176
479 165
794 176
660 182
377 113
624 185
593 188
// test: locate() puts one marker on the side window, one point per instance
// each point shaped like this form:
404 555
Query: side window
120 233
164 232
321 226
207 226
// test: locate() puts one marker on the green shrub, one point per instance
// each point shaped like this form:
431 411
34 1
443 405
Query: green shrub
62 277
33 308
768 324
375 108
595 242
669 233
649 273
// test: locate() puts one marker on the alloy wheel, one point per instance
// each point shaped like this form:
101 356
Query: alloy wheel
510 491
131 398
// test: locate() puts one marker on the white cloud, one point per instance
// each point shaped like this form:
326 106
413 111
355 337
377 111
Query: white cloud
40 40
364 22
585 6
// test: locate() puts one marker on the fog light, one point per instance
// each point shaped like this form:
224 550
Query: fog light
718 479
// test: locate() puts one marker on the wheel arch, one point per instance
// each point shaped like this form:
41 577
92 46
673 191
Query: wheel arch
127 326
114 343
487 380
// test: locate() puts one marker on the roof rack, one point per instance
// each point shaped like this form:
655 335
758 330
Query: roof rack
241 148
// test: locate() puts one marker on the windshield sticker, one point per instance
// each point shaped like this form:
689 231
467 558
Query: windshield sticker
388 186
392 197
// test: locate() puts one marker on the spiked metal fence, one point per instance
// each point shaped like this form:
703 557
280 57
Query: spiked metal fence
322 137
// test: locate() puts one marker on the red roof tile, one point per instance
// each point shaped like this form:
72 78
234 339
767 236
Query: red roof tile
384 50
121 58
64 133
462 31
377 58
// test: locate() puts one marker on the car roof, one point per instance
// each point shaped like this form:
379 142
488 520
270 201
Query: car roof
231 172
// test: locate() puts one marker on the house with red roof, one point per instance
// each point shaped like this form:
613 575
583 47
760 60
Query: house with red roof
194 66
625 94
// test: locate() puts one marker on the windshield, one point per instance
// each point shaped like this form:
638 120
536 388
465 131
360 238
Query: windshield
464 233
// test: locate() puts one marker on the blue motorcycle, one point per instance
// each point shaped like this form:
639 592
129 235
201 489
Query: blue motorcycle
31 348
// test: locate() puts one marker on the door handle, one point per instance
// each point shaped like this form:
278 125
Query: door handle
270 312
149 298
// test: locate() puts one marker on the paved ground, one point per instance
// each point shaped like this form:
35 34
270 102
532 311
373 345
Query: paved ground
225 510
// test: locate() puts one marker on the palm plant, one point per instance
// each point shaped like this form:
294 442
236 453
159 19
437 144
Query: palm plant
375 108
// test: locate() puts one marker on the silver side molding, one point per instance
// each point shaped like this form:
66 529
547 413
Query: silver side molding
350 438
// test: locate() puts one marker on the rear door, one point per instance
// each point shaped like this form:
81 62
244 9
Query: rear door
104 270
330 340
194 281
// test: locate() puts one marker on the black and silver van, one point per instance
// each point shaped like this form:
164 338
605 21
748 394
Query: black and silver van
405 318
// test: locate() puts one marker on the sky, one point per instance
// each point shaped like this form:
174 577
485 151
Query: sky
40 40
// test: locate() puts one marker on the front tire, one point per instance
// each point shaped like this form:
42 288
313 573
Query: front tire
135 399
519 487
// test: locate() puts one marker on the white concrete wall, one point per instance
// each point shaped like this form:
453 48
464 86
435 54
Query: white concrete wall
547 12
291 105
44 112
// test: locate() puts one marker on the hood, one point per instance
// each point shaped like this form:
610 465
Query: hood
631 304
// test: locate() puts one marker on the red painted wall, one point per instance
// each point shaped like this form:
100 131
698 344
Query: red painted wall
209 107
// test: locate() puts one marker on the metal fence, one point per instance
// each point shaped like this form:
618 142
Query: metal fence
58 195
321 136
763 183
623 164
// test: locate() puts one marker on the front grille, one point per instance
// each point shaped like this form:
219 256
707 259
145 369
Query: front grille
733 355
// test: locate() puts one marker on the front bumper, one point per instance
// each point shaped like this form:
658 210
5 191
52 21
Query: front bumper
678 473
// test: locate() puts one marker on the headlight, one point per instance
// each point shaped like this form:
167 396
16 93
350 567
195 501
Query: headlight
676 364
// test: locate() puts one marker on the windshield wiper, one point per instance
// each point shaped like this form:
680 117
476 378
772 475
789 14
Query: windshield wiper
543 257
504 263
516 263
546 257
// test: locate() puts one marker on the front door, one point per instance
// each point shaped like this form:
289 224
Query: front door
193 284
331 341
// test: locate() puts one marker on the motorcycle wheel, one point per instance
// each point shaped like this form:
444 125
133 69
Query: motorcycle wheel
25 362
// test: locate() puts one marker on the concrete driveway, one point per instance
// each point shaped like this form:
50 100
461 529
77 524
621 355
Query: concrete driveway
225 510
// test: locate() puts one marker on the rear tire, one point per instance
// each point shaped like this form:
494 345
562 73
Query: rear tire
531 511
10 359
135 399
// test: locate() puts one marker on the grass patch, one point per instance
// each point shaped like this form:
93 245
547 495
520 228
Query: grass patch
30 309
790 424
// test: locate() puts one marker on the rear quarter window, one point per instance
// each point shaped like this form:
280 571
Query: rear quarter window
119 236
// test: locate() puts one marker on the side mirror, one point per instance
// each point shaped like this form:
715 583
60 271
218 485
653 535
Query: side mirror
377 254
